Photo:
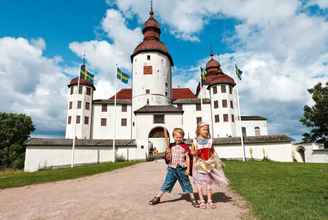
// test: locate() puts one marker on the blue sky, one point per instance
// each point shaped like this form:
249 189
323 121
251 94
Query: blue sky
282 47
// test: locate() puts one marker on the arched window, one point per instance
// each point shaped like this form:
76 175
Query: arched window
257 131
243 130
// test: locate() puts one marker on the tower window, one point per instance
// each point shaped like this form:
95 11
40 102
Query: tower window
215 89
148 70
72 90
199 120
88 91
166 84
147 91
124 108
103 122
86 120
147 101
69 121
224 103
225 117
123 122
159 119
78 119
230 89
87 105
79 104
223 89
166 94
104 108
231 104
232 118
148 57
216 104
70 105
217 118
80 89
198 107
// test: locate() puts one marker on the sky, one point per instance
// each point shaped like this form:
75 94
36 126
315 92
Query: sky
281 46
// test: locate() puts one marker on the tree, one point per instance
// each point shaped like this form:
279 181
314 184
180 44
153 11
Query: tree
316 117
15 129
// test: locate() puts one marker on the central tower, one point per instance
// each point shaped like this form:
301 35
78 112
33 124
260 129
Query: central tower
151 68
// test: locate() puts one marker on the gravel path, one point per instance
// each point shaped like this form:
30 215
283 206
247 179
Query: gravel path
120 194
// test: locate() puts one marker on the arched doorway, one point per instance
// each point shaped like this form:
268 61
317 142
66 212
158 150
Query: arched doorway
301 151
157 139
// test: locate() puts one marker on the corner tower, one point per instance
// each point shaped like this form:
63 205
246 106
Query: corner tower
151 68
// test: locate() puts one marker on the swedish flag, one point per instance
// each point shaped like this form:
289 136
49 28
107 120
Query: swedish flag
85 74
122 76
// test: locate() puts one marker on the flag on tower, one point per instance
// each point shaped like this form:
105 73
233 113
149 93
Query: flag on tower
203 74
238 72
85 74
122 76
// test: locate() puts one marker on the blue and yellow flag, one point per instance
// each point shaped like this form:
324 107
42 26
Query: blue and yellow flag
85 74
122 76
203 73
238 72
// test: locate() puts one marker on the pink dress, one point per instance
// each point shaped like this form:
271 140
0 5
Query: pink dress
205 153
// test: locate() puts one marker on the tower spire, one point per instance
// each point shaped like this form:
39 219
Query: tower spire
83 59
151 12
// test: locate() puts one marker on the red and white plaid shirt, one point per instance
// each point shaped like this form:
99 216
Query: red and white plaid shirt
178 156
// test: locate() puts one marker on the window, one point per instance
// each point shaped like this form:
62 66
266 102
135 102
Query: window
230 89
166 94
124 108
80 89
79 104
232 118
86 120
148 57
217 118
179 106
257 131
147 91
166 84
198 107
123 122
78 119
243 130
69 121
199 120
103 122
158 119
148 70
88 91
216 104
223 89
224 103
104 108
87 105
231 104
72 90
147 101
215 90
70 105
225 117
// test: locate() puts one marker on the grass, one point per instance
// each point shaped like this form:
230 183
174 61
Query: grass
19 178
281 190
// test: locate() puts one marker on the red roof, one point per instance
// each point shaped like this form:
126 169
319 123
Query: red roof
177 93
215 75
83 82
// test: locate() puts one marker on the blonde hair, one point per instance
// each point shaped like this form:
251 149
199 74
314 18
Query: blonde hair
199 125
179 131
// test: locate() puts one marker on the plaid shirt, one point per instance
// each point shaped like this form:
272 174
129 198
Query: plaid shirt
178 156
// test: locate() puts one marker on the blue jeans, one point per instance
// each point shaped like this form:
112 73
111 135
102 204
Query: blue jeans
174 174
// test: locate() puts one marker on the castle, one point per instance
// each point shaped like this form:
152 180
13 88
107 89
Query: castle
152 104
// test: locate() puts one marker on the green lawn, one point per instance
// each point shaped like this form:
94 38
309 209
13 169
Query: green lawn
20 178
281 190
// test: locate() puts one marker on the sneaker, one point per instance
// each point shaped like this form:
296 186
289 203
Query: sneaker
155 200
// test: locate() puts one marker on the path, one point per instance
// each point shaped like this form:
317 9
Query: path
120 194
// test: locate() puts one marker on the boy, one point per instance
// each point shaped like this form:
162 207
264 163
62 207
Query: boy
178 168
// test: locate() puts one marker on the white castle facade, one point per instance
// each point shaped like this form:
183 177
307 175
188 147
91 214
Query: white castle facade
143 111
152 104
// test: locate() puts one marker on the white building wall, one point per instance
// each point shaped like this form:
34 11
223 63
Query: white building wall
250 126
82 130
107 132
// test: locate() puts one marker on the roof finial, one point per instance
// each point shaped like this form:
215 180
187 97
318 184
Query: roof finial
151 8
211 50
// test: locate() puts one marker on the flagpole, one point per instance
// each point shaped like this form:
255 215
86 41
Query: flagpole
201 90
74 139
114 138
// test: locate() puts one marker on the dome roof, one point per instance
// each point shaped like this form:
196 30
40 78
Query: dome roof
83 82
212 63
151 41
215 75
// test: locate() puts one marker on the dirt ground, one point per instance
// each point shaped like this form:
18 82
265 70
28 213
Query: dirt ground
120 194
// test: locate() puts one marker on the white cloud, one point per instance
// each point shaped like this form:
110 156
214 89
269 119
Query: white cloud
32 83
103 56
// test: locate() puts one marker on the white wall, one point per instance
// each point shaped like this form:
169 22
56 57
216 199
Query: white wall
250 127
107 132
38 157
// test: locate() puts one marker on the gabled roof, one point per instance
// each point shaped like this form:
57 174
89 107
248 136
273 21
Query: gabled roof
177 93
158 109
